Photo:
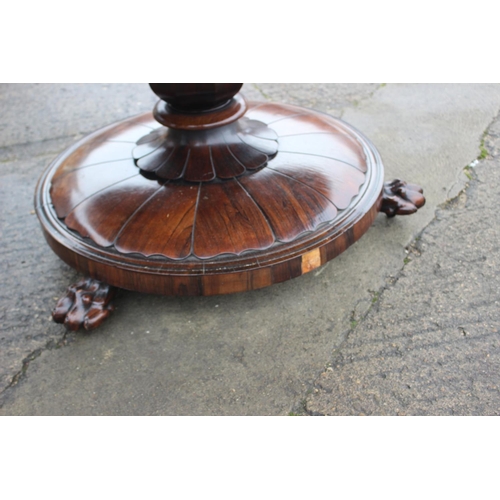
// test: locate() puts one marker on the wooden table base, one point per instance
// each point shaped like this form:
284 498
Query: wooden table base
262 194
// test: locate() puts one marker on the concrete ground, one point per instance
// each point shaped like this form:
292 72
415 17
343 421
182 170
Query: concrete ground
404 322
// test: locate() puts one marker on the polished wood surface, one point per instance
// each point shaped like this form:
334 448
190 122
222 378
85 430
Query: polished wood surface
205 155
196 97
266 198
401 198
86 304
198 106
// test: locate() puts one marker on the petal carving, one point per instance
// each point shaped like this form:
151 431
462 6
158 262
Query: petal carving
227 165
71 188
199 167
337 181
342 148
270 113
163 225
206 193
102 216
229 221
291 207
173 165
240 146
94 153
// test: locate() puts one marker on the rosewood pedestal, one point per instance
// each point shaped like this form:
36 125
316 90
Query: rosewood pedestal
209 195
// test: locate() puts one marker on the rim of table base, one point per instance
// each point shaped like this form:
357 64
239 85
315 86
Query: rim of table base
156 274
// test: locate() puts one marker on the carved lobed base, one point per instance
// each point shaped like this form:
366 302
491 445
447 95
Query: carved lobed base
238 207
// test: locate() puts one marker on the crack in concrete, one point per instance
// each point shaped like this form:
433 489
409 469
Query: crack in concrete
356 103
413 248
448 205
469 168
21 374
74 137
261 92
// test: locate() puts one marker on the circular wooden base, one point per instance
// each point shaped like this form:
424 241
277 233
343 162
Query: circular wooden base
291 189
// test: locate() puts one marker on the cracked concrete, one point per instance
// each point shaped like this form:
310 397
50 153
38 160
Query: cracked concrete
256 353
431 343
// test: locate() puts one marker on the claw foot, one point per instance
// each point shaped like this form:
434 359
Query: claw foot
86 303
401 198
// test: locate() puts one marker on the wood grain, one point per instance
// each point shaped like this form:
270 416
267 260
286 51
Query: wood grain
257 201
204 155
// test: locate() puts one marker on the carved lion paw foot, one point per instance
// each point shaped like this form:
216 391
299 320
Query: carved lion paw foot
86 303
401 198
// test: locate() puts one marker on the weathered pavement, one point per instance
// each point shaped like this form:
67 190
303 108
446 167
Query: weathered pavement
379 330
430 345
